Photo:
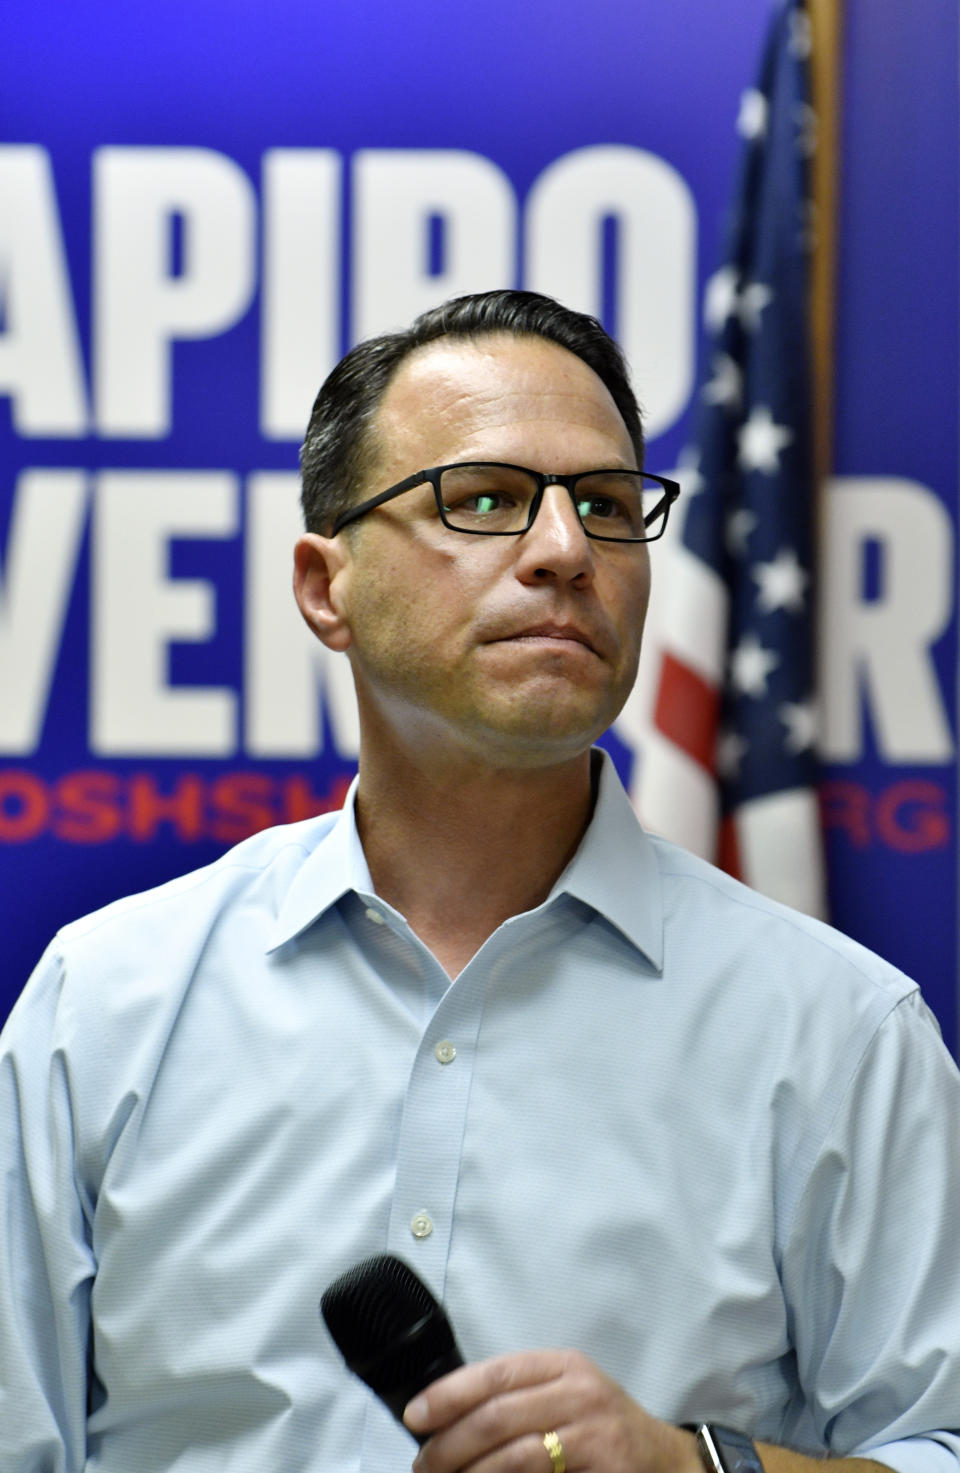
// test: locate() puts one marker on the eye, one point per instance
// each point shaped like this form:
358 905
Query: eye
484 497
599 508
611 503
483 503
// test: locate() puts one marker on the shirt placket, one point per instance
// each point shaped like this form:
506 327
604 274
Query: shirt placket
429 1152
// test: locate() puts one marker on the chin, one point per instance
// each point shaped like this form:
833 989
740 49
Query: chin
537 740
555 713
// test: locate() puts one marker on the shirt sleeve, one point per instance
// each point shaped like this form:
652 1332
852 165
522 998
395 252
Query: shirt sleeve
871 1268
920 1454
46 1259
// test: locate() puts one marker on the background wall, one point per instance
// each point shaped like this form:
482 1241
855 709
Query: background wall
203 205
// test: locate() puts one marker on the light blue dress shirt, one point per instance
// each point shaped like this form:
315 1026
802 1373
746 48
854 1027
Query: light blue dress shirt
707 1141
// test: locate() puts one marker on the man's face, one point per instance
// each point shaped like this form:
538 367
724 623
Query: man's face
519 651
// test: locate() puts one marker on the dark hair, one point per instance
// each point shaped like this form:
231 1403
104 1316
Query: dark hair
339 447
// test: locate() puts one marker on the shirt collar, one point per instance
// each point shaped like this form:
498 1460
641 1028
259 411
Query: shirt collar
334 868
614 871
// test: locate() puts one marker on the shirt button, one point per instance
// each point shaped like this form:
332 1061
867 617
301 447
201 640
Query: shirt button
375 916
420 1225
445 1051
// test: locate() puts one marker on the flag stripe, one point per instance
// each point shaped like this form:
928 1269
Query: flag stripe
687 710
779 839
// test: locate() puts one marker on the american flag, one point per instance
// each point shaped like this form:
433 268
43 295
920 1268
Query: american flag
731 768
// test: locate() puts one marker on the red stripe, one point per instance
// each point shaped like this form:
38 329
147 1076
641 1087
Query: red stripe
687 712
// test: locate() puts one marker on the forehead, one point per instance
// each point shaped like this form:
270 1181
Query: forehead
499 398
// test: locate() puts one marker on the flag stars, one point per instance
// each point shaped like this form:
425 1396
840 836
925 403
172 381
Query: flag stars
761 442
731 750
782 583
751 666
751 303
740 525
800 720
720 298
726 386
752 118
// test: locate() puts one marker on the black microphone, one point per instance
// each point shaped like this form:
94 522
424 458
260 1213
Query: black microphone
390 1329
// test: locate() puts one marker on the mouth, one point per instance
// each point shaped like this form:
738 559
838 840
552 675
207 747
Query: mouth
551 632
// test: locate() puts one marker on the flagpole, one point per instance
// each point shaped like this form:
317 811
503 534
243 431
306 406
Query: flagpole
826 20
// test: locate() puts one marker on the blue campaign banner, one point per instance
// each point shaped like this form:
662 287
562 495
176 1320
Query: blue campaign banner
202 206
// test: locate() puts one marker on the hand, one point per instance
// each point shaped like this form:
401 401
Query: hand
491 1417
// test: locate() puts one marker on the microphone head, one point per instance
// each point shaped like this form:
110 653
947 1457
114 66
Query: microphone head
389 1329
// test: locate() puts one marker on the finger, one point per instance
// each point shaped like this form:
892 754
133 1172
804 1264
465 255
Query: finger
527 1453
521 1415
455 1395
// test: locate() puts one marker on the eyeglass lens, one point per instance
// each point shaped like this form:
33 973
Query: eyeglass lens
620 505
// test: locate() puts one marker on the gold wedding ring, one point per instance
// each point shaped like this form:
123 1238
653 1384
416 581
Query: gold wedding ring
554 1447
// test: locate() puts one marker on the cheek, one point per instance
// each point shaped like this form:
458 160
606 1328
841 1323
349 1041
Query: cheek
630 595
644 597
416 599
448 574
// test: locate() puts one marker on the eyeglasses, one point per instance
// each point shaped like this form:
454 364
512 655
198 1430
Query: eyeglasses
490 499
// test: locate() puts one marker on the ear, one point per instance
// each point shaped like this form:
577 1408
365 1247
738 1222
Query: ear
319 577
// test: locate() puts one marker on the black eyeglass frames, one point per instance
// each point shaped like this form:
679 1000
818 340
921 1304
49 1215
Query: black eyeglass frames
496 499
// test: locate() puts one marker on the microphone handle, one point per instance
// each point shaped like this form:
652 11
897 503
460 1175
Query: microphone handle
397 1399
420 1362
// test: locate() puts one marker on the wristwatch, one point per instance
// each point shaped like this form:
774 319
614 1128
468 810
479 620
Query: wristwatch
725 1450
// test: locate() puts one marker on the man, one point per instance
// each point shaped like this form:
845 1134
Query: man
598 1095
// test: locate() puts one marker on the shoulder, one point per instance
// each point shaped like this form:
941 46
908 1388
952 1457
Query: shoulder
734 925
797 1020
115 981
253 877
273 852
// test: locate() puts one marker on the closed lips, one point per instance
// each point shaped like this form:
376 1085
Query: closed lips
553 631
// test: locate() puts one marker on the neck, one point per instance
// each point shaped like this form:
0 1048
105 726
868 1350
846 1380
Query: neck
459 851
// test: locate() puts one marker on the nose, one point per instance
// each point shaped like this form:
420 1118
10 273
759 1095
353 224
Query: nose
556 546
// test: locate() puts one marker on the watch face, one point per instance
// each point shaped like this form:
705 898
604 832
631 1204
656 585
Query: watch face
735 1451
